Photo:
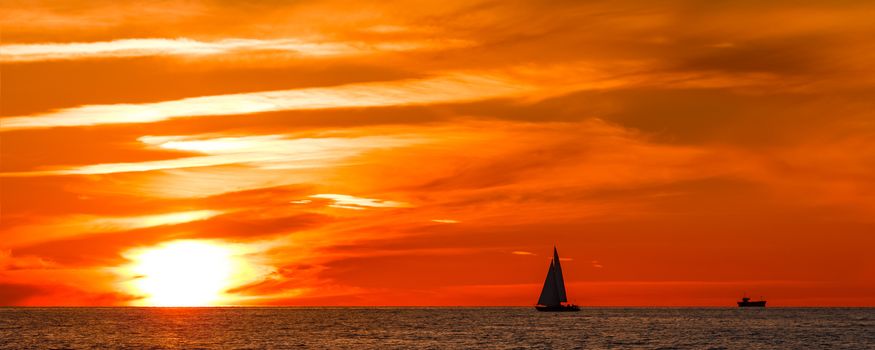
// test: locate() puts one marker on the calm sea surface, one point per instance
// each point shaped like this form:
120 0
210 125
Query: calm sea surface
436 328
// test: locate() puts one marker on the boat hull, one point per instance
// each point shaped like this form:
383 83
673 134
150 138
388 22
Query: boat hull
752 303
558 308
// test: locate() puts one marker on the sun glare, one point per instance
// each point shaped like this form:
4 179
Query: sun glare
184 273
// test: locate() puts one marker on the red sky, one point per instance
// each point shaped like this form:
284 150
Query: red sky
431 153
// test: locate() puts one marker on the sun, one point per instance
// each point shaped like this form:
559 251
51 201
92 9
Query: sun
183 273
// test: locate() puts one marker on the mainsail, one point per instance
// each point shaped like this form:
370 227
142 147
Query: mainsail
554 286
549 296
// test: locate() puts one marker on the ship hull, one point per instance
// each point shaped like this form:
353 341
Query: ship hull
558 308
752 303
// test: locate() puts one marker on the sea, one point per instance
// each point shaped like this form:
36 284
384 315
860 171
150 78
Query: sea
435 328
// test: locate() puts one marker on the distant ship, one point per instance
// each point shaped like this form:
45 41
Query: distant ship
746 302
553 295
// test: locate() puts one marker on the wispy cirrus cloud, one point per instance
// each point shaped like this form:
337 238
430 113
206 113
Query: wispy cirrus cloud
263 151
359 203
76 225
525 83
189 47
442 89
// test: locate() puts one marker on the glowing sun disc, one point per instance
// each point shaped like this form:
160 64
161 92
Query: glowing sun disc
183 273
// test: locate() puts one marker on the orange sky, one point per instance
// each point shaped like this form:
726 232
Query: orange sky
431 153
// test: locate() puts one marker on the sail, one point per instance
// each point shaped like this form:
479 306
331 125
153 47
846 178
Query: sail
549 295
560 281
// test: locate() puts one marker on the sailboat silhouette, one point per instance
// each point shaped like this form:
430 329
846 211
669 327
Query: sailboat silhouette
553 296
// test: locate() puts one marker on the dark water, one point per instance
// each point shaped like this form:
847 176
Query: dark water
436 328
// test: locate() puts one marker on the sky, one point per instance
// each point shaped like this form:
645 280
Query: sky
434 152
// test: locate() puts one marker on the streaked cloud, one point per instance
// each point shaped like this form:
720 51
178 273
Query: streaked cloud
155 220
450 88
445 221
359 203
520 252
190 47
10 262
77 225
265 151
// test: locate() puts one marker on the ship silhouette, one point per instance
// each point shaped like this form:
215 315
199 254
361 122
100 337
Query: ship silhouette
746 302
553 294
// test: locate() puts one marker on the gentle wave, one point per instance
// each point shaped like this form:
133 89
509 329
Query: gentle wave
436 328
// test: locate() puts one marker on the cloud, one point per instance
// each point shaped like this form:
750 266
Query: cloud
445 221
10 262
523 83
19 294
265 151
358 203
449 88
189 47
253 224
158 46
60 227
520 252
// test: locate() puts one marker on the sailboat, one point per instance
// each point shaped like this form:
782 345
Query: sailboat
553 295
